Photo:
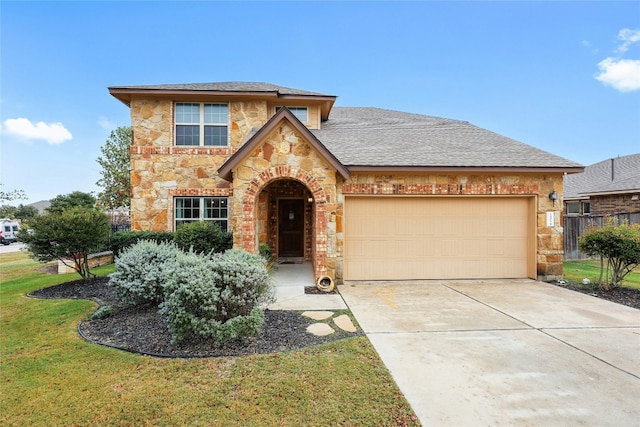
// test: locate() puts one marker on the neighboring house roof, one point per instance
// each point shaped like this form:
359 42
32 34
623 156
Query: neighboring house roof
41 205
376 138
616 175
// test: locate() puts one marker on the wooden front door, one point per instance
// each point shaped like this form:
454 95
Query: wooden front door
291 228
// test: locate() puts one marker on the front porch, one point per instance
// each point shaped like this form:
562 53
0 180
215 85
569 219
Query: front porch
290 281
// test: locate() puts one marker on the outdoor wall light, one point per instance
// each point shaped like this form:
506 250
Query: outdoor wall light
553 196
310 200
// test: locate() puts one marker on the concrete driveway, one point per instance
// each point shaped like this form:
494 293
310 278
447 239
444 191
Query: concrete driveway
504 352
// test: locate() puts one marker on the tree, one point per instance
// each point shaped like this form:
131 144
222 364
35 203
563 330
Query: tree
63 202
619 244
25 212
69 236
116 169
12 195
22 212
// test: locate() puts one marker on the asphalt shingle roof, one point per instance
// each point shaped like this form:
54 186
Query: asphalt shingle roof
378 137
226 87
620 174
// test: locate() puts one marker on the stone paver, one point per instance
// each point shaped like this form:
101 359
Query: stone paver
344 322
320 329
318 315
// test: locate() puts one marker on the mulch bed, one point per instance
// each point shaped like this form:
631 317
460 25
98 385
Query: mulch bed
625 296
141 329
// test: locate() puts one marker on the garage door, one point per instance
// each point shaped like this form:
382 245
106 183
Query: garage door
404 238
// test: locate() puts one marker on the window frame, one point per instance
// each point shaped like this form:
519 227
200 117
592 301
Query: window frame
294 110
202 124
576 205
204 211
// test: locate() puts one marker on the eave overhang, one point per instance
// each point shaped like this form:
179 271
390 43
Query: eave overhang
226 170
610 193
126 93
465 169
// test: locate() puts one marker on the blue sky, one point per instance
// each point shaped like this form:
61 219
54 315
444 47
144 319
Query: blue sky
561 76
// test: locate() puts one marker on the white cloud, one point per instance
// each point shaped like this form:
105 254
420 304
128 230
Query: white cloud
53 133
105 123
628 37
621 74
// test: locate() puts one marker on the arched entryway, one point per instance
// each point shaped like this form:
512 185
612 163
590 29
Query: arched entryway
261 202
285 220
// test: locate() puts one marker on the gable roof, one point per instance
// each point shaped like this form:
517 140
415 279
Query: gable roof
283 114
615 175
370 138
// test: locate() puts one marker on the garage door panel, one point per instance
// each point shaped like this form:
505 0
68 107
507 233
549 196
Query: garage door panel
392 238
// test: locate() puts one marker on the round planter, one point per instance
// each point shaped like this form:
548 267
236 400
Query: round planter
325 284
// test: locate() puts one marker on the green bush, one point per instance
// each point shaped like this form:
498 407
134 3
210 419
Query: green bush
619 244
216 297
124 239
244 282
201 237
142 271
69 235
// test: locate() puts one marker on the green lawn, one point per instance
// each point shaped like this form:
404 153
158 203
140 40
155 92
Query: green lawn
50 376
575 271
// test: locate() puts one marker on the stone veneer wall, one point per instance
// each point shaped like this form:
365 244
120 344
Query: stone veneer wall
549 243
161 170
285 154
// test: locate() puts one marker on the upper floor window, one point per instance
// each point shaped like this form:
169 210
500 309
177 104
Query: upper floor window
202 124
586 208
301 113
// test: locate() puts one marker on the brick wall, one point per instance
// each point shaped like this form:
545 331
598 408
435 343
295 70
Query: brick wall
613 204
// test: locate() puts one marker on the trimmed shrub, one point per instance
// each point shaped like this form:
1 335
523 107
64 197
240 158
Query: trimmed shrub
142 270
619 244
201 237
125 239
244 282
216 297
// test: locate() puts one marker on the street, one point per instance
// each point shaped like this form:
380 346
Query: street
13 247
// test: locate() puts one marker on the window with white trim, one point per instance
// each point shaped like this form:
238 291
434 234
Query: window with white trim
191 209
302 113
586 208
201 124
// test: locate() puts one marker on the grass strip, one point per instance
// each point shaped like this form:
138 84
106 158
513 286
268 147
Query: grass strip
576 270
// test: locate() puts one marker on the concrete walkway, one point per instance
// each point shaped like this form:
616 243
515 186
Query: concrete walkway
291 279
519 352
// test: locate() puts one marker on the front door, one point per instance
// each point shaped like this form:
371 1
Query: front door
291 228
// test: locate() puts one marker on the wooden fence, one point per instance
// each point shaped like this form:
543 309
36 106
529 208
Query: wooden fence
575 226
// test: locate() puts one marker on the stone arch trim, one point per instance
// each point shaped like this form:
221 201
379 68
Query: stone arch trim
320 199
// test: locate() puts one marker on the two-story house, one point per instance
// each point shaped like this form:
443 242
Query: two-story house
362 193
